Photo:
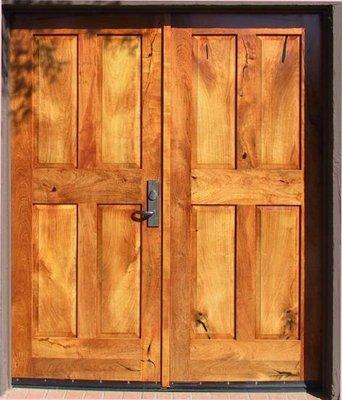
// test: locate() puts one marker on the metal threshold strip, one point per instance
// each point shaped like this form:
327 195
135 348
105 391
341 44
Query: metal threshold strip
294 386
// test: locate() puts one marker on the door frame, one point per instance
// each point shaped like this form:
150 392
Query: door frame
332 37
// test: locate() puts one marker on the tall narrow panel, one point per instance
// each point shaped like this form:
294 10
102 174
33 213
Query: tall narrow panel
55 100
213 251
54 240
280 105
121 98
119 270
214 98
278 243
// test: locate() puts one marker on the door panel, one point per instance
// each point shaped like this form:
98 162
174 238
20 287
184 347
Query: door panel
119 255
86 277
55 99
119 88
277 275
237 189
214 87
213 243
269 100
54 270
87 132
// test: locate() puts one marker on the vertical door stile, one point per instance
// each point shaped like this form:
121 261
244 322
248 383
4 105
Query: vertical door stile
151 237
166 207
180 202
87 290
304 270
21 62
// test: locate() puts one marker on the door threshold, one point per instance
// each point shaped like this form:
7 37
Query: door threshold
294 386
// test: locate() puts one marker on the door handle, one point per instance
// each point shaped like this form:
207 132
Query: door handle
152 212
140 216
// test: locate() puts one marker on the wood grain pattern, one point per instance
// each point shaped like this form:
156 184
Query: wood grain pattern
233 140
166 249
280 91
124 342
245 273
151 238
119 270
55 99
86 348
278 260
269 101
265 174
243 29
245 370
181 123
88 99
55 185
54 280
214 100
268 350
21 204
248 101
120 66
87 275
213 252
83 368
246 187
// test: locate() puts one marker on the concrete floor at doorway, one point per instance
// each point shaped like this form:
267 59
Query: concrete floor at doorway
111 395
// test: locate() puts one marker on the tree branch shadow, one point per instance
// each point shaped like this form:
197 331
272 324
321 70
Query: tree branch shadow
46 63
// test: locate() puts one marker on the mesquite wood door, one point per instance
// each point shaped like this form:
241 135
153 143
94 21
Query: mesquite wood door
99 107
237 204
86 137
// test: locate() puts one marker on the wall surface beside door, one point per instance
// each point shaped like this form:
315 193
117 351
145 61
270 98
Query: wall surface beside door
335 205
336 200
4 221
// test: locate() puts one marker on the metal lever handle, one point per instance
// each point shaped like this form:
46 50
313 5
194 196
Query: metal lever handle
152 212
140 216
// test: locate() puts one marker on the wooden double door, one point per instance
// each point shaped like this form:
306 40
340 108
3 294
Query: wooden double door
216 115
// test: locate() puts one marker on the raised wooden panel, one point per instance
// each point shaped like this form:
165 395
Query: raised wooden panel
55 99
213 257
280 101
214 100
120 99
269 101
54 280
277 276
119 259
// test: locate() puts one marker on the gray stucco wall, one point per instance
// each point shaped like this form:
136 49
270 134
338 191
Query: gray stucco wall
4 223
336 197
